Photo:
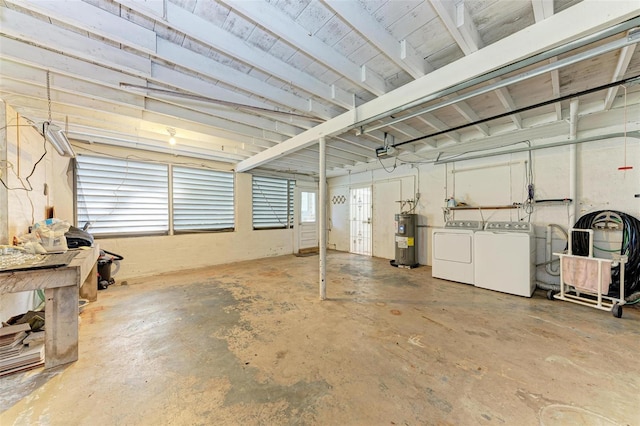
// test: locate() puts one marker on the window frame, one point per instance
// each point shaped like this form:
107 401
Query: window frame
170 186
270 183
219 175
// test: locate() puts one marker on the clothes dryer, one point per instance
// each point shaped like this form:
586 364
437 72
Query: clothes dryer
452 246
506 257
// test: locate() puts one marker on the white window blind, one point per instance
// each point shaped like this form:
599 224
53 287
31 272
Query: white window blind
292 187
202 199
272 202
122 197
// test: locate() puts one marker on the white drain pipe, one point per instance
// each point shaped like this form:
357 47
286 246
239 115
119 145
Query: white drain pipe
573 156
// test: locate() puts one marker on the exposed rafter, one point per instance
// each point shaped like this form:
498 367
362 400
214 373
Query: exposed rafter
456 19
621 67
203 31
283 27
561 29
543 9
260 82
402 54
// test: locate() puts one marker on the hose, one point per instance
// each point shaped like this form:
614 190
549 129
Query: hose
630 247
634 298
547 286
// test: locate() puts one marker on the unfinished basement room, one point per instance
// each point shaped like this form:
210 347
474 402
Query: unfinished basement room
320 212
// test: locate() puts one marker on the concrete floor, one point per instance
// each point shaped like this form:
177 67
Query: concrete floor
251 344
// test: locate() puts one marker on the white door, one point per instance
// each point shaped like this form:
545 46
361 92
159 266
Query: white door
360 220
307 218
385 207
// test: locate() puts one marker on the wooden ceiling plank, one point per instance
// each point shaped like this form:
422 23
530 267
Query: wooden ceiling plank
283 27
86 90
508 103
29 54
348 147
153 145
465 110
230 114
94 20
201 117
21 26
102 117
626 53
466 27
34 77
173 53
219 39
437 124
160 74
164 75
584 18
401 54
555 87
459 25
542 9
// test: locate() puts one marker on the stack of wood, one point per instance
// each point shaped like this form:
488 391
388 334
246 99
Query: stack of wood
20 350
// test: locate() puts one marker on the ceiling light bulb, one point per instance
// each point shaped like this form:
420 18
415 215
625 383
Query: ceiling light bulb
172 134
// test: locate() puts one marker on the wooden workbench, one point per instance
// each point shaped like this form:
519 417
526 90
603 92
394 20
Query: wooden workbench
62 286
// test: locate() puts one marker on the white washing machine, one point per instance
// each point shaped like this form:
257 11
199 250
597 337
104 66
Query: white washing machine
452 248
506 258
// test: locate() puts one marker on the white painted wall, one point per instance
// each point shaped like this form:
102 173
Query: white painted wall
23 146
154 255
144 256
338 235
500 180
388 189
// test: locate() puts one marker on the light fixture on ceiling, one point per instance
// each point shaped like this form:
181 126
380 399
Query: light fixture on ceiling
55 135
172 134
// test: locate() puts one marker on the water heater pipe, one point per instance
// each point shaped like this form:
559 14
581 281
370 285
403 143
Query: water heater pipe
549 250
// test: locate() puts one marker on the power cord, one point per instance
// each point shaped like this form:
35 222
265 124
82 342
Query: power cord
33 170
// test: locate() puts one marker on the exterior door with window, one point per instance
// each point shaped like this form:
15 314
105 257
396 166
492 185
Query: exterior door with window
360 220
307 218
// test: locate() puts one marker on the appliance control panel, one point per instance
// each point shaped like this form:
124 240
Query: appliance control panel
464 224
510 226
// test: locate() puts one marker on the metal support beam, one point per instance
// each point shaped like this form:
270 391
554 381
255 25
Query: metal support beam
322 225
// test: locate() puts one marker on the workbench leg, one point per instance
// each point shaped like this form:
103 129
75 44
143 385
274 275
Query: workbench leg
61 326
89 289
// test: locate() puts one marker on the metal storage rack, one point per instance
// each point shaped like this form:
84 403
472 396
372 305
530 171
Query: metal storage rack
596 300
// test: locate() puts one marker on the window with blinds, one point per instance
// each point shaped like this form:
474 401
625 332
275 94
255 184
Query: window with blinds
272 203
121 196
202 200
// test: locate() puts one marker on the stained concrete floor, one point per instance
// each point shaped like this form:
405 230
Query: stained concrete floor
251 344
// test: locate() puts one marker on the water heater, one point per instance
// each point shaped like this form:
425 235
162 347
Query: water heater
405 241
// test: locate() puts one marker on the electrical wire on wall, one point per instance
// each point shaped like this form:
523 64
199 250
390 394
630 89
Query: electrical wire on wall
527 204
24 186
